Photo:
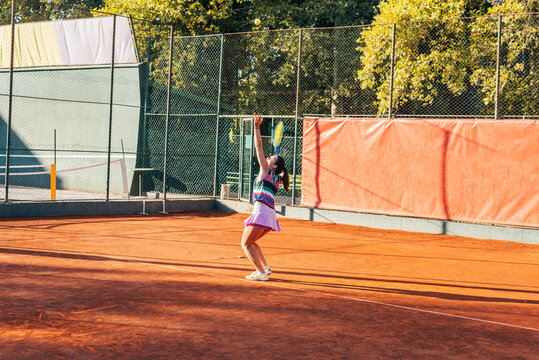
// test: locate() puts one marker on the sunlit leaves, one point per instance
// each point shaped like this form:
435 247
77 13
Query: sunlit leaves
37 10
442 53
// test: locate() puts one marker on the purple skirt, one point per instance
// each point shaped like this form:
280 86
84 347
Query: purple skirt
263 216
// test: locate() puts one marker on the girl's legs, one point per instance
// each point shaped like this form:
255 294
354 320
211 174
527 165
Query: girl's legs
250 235
258 250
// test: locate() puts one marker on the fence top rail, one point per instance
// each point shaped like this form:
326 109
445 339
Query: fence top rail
418 116
251 115
494 16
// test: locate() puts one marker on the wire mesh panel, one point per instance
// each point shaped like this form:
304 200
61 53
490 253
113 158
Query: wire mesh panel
187 110
195 98
195 76
297 170
191 155
433 70
248 164
248 159
449 67
329 85
287 153
150 161
153 44
482 60
259 72
519 65
375 45
62 109
228 158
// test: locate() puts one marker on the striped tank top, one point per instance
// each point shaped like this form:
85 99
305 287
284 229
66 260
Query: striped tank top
265 190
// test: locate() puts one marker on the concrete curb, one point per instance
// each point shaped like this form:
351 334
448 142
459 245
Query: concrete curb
430 226
73 208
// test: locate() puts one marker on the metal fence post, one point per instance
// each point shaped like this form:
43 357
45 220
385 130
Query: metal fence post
298 77
10 102
242 155
393 35
218 117
110 103
251 151
167 121
498 50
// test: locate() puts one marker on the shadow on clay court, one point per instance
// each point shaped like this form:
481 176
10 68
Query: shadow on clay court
431 294
320 284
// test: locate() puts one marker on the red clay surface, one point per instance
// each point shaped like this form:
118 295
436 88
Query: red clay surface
171 287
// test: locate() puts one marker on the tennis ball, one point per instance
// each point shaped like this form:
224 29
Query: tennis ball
257 22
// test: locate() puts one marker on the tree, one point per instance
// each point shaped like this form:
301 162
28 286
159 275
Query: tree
152 20
188 17
35 10
266 77
442 67
519 75
430 56
290 14
260 68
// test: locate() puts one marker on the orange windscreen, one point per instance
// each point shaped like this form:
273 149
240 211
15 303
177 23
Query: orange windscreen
476 171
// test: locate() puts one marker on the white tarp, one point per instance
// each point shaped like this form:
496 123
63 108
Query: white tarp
68 42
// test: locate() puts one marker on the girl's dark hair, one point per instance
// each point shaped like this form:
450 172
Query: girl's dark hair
281 171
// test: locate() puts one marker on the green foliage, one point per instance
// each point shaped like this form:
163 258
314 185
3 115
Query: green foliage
328 82
151 22
188 17
259 72
519 75
35 10
292 14
426 53
289 14
262 67
447 65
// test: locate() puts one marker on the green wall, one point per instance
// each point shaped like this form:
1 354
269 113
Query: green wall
75 103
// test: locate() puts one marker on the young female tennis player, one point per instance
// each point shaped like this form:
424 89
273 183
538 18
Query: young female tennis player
263 219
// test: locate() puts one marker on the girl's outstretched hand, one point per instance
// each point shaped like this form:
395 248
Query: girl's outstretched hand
257 119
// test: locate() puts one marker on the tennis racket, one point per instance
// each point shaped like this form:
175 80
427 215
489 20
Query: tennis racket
277 137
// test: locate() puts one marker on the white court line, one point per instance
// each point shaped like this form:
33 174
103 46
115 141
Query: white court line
340 296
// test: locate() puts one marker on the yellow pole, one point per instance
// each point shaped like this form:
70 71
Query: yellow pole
53 181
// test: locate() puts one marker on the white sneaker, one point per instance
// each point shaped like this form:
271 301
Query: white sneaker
257 276
266 268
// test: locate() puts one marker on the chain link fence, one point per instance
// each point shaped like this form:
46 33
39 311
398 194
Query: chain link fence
176 117
57 107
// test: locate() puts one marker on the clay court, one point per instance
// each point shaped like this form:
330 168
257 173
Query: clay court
171 287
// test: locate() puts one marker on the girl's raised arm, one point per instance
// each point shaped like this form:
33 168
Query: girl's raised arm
258 146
